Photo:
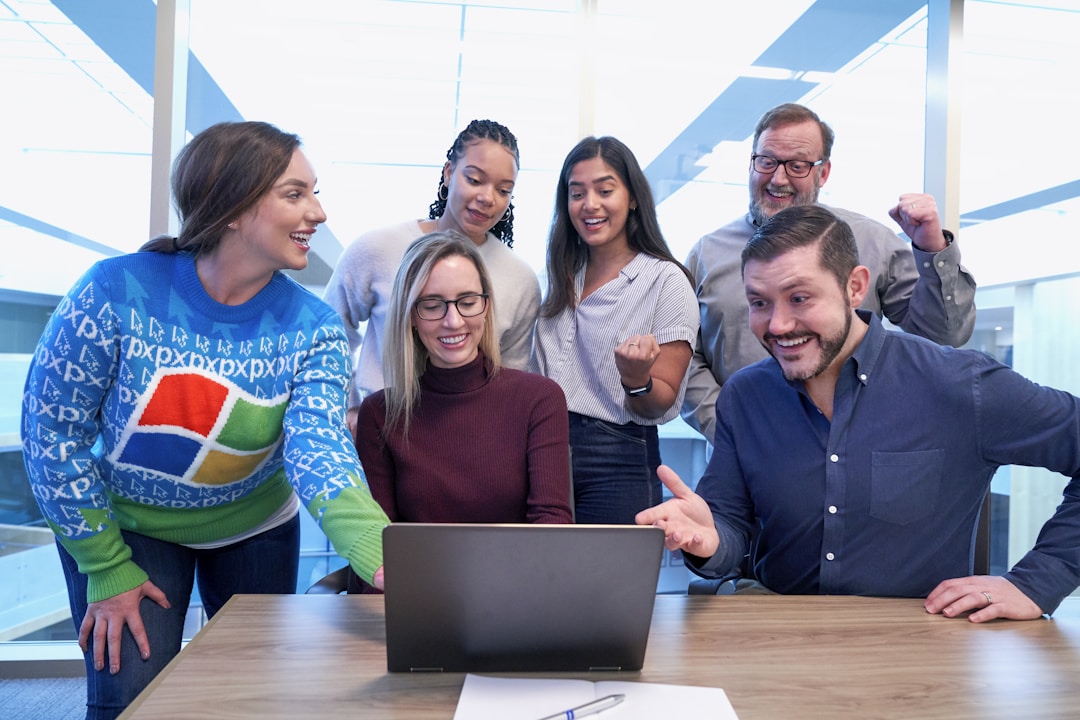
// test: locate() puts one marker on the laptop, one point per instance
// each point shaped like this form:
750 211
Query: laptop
519 598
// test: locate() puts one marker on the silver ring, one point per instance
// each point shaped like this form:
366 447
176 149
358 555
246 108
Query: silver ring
633 344
989 600
914 205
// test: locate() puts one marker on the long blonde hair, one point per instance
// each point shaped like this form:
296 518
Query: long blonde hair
404 356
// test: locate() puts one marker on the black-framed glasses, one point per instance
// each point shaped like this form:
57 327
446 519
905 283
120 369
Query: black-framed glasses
436 308
766 165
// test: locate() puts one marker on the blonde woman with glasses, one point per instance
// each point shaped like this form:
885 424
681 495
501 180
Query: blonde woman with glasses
454 437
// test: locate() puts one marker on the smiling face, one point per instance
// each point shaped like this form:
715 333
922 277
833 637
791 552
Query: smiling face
800 313
454 340
278 230
598 203
770 193
480 185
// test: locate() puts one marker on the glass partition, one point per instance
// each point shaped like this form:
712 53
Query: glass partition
75 154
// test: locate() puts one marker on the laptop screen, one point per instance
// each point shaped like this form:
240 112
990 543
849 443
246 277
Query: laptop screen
519 598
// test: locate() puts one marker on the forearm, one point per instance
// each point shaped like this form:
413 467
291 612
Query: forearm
727 559
662 382
657 401
375 455
1050 571
941 306
322 463
353 523
106 561
548 458
62 408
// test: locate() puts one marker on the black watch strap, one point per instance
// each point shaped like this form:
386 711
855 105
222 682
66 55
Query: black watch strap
638 392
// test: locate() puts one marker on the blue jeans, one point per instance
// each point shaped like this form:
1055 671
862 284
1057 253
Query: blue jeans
614 470
265 563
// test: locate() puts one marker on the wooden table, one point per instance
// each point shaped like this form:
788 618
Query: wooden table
323 656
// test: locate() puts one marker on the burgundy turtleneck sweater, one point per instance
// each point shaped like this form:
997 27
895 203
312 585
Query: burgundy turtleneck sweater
481 448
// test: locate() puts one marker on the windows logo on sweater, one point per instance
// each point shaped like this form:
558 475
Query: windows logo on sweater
199 429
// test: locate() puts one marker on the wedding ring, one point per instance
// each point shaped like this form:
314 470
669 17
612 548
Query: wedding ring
989 600
633 344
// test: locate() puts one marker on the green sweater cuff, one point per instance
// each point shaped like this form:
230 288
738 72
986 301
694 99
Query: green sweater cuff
105 560
103 585
354 522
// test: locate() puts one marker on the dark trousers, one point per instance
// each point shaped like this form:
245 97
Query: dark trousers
265 563
614 470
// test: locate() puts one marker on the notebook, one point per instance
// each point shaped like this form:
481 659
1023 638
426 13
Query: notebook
519 598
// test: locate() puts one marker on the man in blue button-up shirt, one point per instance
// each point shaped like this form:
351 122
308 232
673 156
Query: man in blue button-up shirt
862 455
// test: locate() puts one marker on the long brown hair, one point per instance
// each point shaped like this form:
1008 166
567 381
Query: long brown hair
221 174
567 254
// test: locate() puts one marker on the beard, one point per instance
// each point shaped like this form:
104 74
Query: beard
830 349
762 206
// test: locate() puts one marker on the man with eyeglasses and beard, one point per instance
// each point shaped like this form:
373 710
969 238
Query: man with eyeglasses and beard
921 287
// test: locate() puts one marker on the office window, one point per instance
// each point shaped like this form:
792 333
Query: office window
75 153
687 95
383 87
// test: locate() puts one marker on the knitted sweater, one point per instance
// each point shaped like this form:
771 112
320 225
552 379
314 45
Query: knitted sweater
151 407
481 448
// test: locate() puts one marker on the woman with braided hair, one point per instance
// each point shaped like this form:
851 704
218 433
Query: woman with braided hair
473 198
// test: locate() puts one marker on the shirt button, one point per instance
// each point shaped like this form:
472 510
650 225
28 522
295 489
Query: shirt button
948 297
863 377
832 509
830 556
834 458
941 263
926 264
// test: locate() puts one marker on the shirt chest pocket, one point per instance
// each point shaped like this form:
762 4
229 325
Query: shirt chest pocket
904 486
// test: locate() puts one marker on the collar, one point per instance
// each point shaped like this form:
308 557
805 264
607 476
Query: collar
637 265
863 359
454 381
868 352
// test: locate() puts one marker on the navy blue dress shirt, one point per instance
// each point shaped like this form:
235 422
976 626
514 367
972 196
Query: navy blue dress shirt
884 499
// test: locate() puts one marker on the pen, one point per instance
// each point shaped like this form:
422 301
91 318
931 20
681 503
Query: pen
589 708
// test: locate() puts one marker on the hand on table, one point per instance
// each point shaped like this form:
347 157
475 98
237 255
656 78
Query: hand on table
986 596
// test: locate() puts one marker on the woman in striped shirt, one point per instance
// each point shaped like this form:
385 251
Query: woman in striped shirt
616 328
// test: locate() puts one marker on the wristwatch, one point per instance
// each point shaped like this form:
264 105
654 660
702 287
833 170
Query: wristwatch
638 392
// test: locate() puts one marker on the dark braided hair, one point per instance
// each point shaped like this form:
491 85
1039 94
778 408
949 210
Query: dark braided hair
476 131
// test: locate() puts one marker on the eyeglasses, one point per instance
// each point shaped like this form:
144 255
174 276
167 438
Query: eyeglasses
436 308
767 165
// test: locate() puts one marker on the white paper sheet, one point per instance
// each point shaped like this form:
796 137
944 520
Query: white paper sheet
496 698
